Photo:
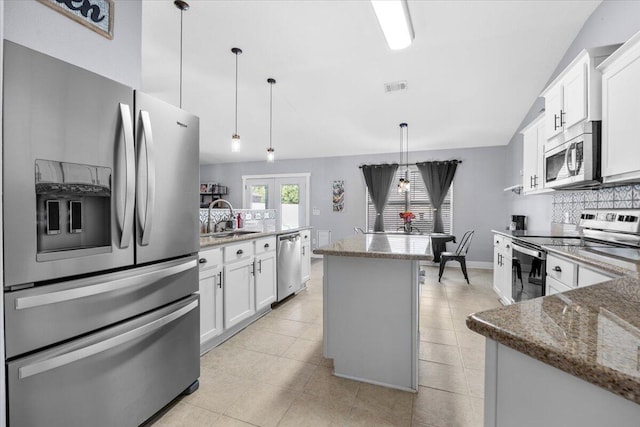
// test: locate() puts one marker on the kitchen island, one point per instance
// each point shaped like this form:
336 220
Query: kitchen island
371 307
575 355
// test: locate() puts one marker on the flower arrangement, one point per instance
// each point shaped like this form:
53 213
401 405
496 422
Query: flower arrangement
407 216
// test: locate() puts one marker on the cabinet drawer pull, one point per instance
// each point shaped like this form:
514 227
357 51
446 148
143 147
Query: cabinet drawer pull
202 260
220 280
266 245
557 268
239 252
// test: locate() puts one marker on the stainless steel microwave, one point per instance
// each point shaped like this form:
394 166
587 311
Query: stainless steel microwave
574 163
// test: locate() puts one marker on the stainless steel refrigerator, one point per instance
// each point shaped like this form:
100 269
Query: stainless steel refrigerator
100 214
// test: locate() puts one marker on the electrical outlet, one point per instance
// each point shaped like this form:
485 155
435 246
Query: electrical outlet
316 211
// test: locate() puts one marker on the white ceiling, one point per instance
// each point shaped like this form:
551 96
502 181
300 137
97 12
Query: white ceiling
473 71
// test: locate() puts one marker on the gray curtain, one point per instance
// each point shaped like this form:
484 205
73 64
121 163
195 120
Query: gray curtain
378 179
437 177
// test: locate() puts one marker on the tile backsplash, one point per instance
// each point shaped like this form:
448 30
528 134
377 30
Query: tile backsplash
253 219
567 205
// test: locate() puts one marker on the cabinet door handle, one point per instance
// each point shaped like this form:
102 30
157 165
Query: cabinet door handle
555 122
557 268
220 279
239 252
253 268
535 181
562 114
202 261
303 250
508 246
531 182
260 266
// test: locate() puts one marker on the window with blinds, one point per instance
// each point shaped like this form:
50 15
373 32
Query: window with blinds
419 204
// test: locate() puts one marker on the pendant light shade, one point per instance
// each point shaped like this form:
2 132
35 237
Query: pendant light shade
404 185
271 153
235 138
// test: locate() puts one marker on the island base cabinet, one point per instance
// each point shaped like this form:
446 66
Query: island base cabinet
371 319
525 392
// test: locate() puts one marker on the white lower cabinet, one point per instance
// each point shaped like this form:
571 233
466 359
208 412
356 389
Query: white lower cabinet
564 274
502 265
210 289
237 285
265 272
239 302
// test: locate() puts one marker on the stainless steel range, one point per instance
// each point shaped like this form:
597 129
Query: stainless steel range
609 233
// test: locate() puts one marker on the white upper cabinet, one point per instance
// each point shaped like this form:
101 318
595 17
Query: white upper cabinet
621 113
534 139
574 97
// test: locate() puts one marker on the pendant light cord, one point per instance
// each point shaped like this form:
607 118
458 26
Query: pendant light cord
236 93
181 17
270 112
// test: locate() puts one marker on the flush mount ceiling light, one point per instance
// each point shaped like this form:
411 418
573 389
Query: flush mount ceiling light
395 21
271 153
403 183
235 138
183 6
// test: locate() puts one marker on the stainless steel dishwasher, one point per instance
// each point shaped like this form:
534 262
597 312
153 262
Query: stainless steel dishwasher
289 264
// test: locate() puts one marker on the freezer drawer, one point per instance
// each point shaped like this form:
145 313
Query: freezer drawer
48 314
120 376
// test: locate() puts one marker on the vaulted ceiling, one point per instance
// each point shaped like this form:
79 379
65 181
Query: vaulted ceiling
472 72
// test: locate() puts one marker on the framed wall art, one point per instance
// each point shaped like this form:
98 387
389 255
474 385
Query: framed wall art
96 15
338 196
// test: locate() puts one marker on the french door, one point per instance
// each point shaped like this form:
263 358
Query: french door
287 194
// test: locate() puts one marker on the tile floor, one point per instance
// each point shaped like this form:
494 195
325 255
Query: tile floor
273 372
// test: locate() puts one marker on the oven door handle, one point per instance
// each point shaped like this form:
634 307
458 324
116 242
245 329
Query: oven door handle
102 346
104 286
527 251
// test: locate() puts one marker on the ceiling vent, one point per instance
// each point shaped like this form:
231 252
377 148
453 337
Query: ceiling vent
395 86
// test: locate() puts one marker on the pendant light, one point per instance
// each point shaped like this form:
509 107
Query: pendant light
183 6
271 153
235 138
403 184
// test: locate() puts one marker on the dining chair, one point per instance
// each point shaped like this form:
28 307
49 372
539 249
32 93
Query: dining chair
459 255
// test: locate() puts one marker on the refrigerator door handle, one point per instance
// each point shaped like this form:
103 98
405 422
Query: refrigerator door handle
107 284
102 346
146 195
126 217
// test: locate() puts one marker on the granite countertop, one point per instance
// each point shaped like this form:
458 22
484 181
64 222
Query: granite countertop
390 246
591 332
206 242
553 232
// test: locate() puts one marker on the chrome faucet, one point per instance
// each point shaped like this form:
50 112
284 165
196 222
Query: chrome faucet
212 204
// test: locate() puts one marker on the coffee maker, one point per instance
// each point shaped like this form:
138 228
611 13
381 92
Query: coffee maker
517 222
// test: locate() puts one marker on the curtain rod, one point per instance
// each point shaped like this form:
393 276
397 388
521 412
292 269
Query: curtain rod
412 164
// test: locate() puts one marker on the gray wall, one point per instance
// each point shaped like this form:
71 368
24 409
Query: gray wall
478 199
612 22
41 28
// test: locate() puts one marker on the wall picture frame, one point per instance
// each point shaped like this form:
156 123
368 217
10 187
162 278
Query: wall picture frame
97 15
338 195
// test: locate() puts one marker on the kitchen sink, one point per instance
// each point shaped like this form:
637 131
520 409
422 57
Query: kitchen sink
229 233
